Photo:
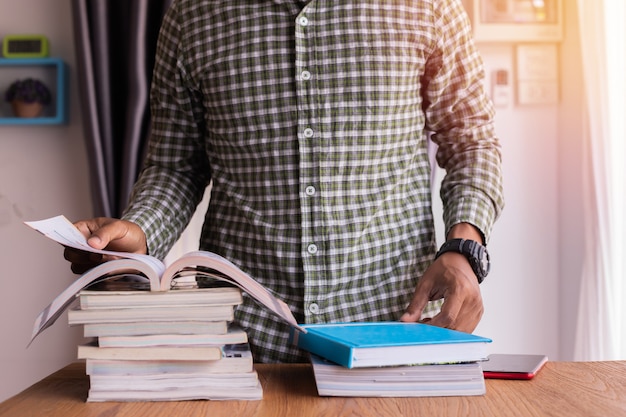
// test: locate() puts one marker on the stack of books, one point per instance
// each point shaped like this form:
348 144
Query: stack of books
393 359
165 346
163 342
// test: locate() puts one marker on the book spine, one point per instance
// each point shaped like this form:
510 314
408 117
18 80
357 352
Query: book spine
324 347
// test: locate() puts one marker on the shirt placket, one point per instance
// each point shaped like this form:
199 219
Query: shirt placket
309 135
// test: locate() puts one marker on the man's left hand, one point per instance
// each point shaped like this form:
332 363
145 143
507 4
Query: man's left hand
449 277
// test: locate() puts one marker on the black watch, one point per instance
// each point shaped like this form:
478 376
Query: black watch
475 253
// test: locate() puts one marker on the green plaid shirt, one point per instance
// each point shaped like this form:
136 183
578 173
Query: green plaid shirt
311 121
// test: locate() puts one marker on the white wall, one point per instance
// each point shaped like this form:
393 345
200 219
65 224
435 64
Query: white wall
521 292
530 296
520 295
43 173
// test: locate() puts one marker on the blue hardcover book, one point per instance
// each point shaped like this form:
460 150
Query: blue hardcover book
357 345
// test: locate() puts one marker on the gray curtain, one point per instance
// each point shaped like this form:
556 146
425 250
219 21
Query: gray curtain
115 45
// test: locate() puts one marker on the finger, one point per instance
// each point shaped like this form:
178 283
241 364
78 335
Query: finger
447 316
415 308
80 268
80 260
84 257
88 227
464 318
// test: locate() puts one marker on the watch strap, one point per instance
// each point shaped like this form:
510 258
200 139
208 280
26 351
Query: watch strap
475 253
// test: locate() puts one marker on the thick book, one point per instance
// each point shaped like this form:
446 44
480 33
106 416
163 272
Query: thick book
155 328
234 335
161 277
357 345
95 299
235 359
181 353
77 315
465 379
181 389
151 383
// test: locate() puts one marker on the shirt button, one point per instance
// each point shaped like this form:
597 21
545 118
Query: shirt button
314 308
312 249
310 190
305 75
308 132
303 21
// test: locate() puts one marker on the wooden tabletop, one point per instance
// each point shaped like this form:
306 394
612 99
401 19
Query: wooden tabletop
560 389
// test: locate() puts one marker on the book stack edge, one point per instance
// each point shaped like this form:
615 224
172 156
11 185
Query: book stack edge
165 346
440 380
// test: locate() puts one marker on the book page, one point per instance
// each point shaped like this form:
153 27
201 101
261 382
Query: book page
232 274
62 231
102 272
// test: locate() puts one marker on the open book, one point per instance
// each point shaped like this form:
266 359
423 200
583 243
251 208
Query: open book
160 276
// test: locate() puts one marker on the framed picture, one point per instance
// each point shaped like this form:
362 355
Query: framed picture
516 20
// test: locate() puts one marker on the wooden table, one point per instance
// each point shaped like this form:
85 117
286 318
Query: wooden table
560 389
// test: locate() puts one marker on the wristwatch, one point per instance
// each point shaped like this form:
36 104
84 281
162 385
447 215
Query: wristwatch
475 253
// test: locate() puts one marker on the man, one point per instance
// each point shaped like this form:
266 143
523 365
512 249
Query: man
311 119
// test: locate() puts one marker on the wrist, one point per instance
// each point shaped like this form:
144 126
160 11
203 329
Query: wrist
474 252
465 231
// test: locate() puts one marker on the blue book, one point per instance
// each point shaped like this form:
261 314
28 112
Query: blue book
357 345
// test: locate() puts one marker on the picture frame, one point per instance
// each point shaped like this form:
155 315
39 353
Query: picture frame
516 20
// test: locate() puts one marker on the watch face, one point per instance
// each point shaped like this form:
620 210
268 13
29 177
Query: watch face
484 261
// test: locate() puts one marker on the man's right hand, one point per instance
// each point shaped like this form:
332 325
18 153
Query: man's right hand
109 234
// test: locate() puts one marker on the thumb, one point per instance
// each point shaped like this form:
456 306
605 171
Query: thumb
112 236
96 242
100 232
